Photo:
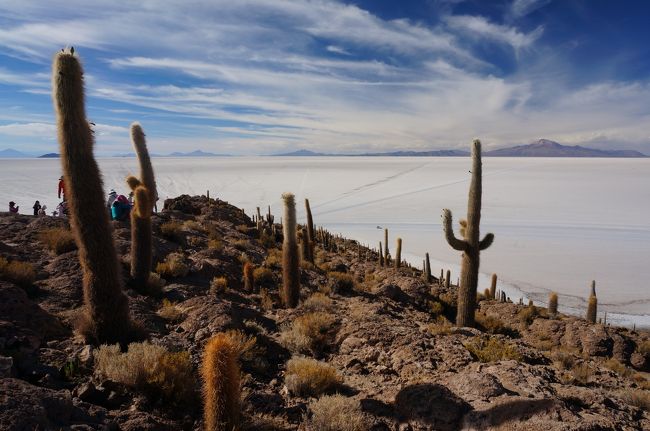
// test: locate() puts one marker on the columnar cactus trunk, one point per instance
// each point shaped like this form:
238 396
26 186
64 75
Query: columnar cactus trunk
381 255
592 304
398 253
448 279
552 304
493 286
471 244
427 268
249 279
310 231
141 251
147 177
106 316
304 244
386 253
290 293
221 384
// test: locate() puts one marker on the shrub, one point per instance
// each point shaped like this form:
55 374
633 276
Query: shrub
218 285
637 397
273 259
308 377
263 276
563 360
267 241
59 240
317 302
336 413
21 273
581 373
242 228
617 367
442 326
341 282
266 301
215 244
528 315
309 333
172 230
436 308
147 367
194 225
242 244
173 266
492 350
644 348
170 311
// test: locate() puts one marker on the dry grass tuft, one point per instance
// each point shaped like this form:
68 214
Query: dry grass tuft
273 258
218 285
173 266
263 277
336 413
266 301
194 225
528 315
581 374
215 244
317 302
617 367
59 240
341 282
172 230
442 326
436 308
492 350
309 378
490 324
636 397
242 244
170 311
21 273
148 367
309 333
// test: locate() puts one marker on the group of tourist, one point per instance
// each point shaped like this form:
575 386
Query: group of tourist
119 206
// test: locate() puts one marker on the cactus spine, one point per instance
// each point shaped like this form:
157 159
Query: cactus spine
221 380
290 293
493 287
106 316
552 304
398 253
592 304
470 245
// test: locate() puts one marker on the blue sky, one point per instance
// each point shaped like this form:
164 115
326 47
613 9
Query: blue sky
264 76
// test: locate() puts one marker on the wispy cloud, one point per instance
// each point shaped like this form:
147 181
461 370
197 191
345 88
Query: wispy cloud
480 27
521 8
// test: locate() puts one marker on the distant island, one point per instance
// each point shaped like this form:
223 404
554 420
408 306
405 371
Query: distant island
540 148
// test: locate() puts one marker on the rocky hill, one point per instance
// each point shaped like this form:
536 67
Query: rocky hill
369 347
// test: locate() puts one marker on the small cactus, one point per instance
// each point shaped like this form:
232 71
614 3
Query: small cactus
290 292
398 253
552 304
493 286
221 383
592 304
249 282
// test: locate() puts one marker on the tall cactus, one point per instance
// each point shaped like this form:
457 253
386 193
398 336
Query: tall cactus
386 251
470 245
398 253
427 268
592 304
141 238
290 293
381 255
448 279
106 316
147 177
310 231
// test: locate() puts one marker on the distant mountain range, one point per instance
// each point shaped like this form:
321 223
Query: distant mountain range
540 148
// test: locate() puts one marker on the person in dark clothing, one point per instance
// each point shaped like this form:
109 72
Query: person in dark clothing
37 207
61 189
13 208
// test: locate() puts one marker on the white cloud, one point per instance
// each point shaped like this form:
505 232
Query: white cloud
521 8
480 27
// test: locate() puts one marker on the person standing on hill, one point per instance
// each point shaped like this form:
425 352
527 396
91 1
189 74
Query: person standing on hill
37 207
13 208
61 188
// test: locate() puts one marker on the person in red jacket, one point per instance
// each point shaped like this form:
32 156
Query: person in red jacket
61 188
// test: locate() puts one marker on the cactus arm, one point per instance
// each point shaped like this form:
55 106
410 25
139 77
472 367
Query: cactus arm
486 241
454 242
